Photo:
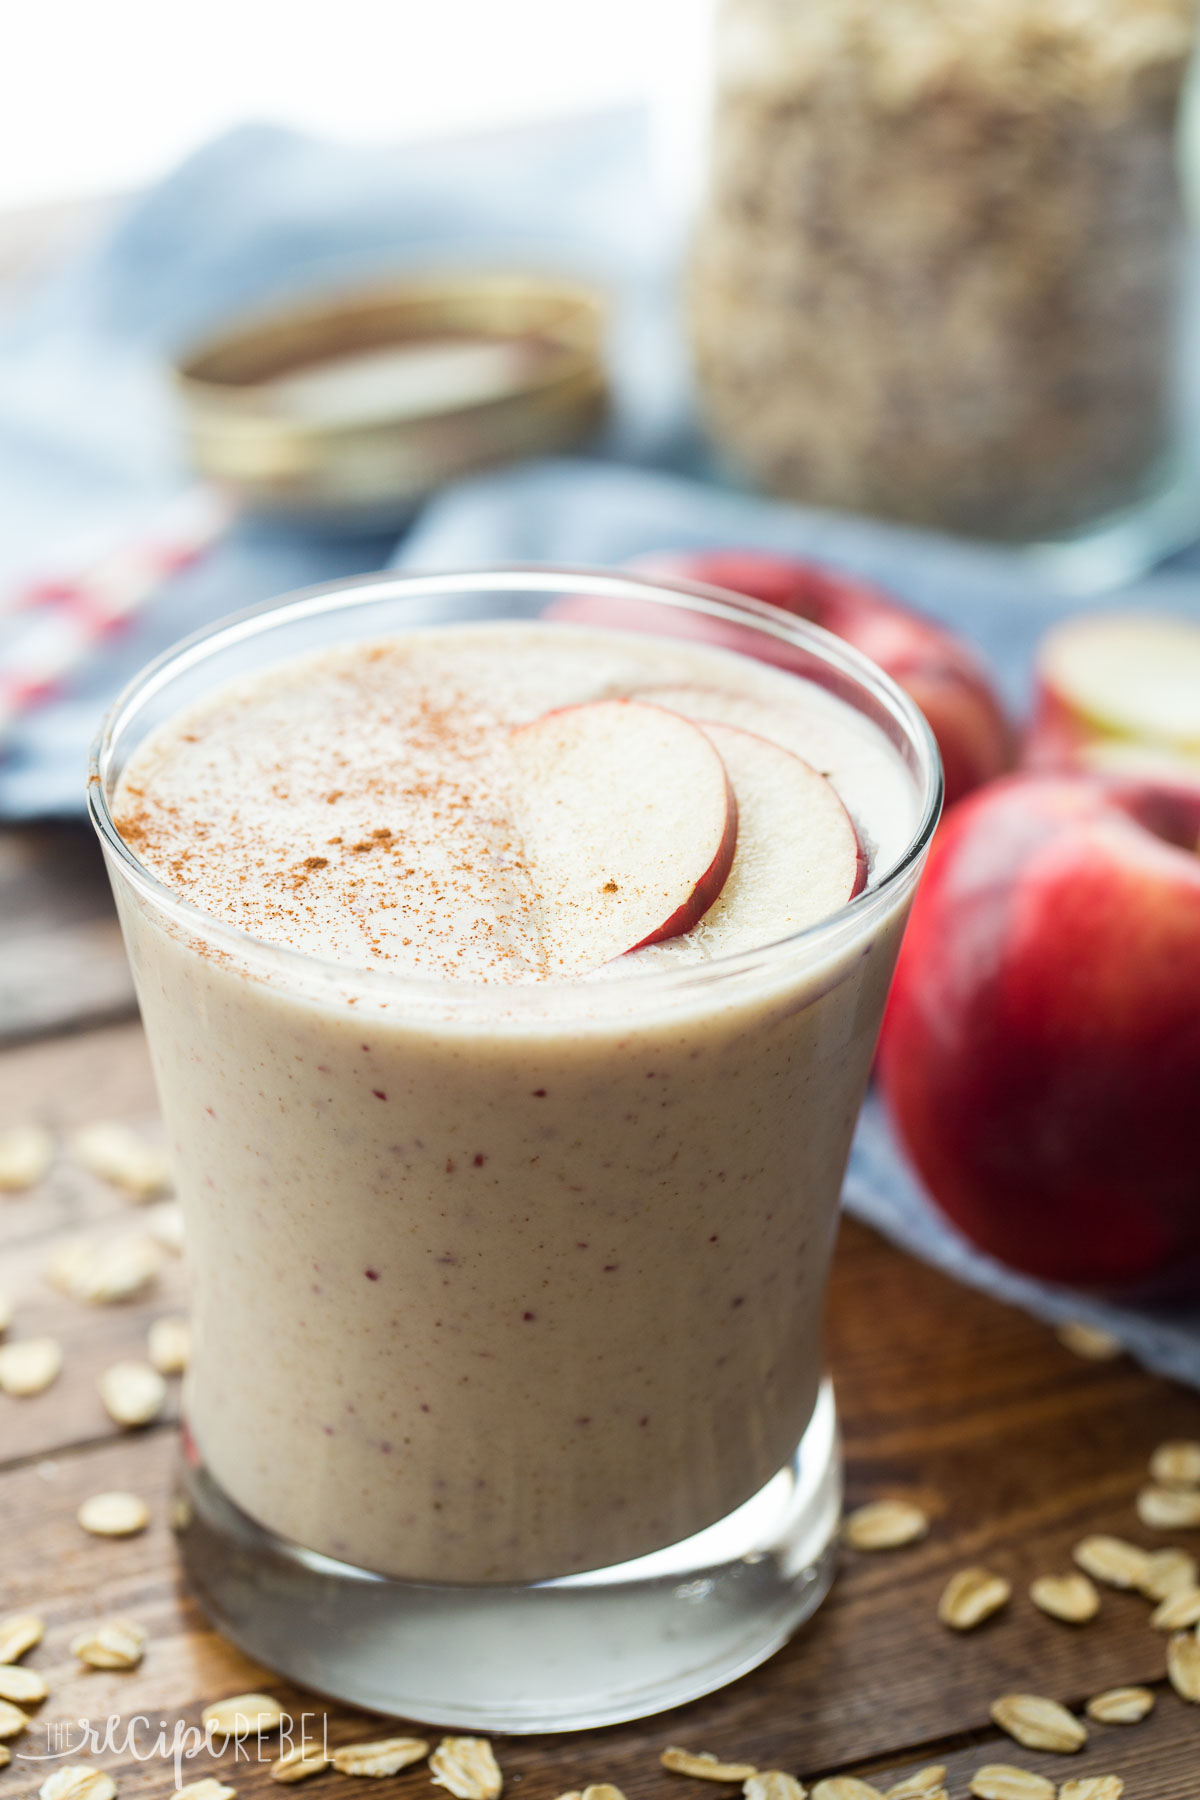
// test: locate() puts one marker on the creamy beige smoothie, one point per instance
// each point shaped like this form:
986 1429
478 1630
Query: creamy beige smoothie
498 1275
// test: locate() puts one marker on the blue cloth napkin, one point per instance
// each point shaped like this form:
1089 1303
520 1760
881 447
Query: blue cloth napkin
89 436
563 512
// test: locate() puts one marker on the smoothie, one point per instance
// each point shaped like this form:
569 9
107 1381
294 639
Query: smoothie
509 1259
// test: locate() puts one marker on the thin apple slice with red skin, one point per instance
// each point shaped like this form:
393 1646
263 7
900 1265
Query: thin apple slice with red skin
788 726
629 825
798 857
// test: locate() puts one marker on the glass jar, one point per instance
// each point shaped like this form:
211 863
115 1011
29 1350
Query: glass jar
938 270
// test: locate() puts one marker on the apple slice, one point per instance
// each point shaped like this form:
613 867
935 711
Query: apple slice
1127 675
798 855
629 825
791 727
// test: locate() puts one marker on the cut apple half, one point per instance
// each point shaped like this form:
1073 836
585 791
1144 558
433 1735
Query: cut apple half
629 826
1128 675
798 855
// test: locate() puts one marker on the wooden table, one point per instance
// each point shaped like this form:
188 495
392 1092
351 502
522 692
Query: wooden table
1015 1447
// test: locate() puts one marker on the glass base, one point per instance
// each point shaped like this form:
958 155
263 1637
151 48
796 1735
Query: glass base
587 1650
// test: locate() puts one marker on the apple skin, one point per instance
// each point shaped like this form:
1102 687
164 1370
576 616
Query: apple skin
931 664
1041 1050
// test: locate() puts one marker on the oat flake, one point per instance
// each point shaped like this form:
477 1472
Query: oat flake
926 1784
114 1514
773 1784
25 1686
466 1767
242 1715
383 1756
845 1787
1071 1598
704 1766
112 1644
1121 1706
1039 1724
885 1525
29 1366
133 1393
19 1632
1112 1561
78 1781
972 1596
1169 1509
1004 1781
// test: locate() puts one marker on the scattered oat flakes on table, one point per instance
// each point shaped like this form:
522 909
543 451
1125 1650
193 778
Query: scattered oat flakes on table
1004 1781
925 1784
1167 1571
1039 1724
1177 1611
29 1365
169 1343
702 1765
1113 1561
118 1155
884 1525
298 1763
382 1756
845 1787
12 1719
773 1784
114 1514
23 1686
1183 1665
104 1273
242 1715
26 1153
1121 1706
116 1643
19 1632
466 1767
1071 1597
133 1393
1169 1509
207 1789
78 1781
165 1224
971 1596
1177 1464
1092 1787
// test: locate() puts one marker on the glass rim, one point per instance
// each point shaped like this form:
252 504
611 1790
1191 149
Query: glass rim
455 996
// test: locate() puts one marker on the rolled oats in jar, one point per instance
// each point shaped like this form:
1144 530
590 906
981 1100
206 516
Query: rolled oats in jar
938 267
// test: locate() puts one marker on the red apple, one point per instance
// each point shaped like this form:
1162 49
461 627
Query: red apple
1119 694
629 825
1041 1050
932 665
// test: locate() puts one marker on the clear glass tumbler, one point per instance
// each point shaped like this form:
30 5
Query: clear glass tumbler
393 1488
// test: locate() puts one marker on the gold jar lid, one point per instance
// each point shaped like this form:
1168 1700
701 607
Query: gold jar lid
354 406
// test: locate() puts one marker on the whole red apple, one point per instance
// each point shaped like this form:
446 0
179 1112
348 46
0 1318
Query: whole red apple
1041 1050
934 667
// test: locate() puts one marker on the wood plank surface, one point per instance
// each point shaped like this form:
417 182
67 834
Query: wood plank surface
62 963
1015 1447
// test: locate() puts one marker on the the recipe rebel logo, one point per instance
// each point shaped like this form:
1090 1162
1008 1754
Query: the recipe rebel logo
307 1734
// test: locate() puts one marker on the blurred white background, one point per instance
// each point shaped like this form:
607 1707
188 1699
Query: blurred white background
101 96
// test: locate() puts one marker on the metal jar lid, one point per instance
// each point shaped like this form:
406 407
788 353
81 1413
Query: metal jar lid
350 408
